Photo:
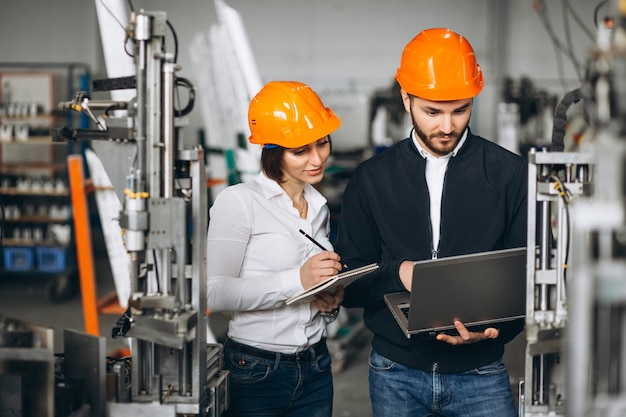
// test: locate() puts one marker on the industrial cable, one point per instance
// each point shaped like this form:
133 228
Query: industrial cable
560 118
119 23
175 36
156 271
132 9
184 82
578 20
555 45
568 39
541 9
566 195
113 15
596 11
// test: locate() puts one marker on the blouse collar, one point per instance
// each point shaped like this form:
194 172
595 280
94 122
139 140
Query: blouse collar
272 190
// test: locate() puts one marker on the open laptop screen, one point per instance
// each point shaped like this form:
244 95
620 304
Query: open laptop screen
477 289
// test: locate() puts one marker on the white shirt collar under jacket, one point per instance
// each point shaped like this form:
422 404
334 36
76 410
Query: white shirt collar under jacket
435 174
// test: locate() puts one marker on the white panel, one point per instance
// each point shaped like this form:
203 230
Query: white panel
112 19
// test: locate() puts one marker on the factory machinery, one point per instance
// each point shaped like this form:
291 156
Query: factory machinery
172 371
576 287
576 267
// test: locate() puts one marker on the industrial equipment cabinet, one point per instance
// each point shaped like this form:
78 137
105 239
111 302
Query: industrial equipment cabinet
37 237
36 231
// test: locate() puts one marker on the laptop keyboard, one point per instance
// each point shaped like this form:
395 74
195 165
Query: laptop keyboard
405 311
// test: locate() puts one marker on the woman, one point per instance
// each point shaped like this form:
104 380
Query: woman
257 258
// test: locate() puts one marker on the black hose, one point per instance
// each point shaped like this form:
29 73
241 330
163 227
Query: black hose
560 118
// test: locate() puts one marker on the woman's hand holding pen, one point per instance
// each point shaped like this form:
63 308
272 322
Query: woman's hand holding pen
319 268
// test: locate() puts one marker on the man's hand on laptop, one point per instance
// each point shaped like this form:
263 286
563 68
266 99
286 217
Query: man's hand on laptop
467 337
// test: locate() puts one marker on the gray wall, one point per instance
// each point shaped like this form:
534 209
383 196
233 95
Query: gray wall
345 45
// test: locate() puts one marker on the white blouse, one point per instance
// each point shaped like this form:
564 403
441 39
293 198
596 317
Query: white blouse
254 255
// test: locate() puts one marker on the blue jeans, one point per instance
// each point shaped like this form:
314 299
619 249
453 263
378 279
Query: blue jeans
399 391
271 384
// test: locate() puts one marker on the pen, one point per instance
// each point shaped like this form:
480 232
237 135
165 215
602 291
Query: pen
318 244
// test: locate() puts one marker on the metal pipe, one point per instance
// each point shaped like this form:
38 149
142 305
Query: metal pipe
541 375
142 35
546 252
183 374
545 235
134 272
168 129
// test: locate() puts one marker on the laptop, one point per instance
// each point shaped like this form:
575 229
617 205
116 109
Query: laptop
480 289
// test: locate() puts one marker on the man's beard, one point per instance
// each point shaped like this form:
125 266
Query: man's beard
434 147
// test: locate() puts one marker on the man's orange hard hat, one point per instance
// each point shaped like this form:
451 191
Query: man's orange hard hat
440 65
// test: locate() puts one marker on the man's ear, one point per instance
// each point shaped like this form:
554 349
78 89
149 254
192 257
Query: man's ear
406 100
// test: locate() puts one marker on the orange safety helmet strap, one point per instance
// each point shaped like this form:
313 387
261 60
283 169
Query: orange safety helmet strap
440 65
289 114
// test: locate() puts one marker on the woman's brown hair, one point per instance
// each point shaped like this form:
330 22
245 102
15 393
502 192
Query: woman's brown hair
271 161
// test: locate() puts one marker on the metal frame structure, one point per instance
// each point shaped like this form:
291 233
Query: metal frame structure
164 221
576 286
596 342
555 179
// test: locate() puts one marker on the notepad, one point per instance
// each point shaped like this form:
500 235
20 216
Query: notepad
345 279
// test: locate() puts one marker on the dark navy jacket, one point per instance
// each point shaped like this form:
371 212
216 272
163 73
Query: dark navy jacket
385 218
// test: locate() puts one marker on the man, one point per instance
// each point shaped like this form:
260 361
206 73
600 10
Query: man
441 192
